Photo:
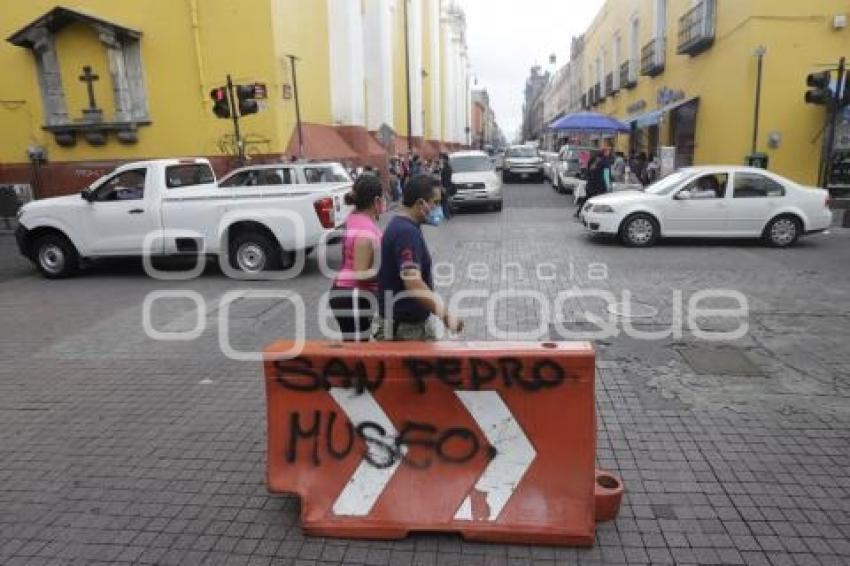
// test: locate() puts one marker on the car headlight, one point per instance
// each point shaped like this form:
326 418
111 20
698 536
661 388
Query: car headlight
602 208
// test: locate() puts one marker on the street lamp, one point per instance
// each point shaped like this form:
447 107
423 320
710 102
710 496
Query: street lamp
759 52
292 60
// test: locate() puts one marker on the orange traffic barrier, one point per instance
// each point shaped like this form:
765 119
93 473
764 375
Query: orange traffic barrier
495 441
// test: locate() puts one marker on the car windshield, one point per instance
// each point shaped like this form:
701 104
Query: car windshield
471 164
522 152
668 183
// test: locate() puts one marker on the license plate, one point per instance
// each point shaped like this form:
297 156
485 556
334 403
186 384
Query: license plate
524 175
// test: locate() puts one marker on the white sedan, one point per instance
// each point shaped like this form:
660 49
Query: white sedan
712 202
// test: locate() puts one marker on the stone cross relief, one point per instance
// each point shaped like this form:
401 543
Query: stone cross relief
92 113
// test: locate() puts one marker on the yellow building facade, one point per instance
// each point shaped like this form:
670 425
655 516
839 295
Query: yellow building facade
684 74
156 61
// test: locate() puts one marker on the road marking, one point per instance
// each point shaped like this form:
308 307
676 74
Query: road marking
514 452
368 481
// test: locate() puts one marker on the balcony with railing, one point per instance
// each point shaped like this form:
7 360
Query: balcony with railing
627 77
696 28
652 58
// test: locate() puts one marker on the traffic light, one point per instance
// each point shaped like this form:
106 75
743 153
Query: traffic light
221 104
247 104
819 93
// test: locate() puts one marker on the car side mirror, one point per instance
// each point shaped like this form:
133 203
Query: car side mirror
87 195
683 195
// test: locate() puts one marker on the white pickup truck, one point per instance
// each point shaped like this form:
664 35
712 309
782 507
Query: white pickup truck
173 207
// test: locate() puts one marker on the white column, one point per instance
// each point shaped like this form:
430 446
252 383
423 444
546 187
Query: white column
415 20
460 104
448 88
434 31
346 62
378 51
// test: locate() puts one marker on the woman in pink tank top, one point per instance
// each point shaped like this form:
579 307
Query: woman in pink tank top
352 297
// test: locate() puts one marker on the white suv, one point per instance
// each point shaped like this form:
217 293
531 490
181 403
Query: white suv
522 161
475 181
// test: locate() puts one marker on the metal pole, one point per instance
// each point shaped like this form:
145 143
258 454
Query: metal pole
407 75
760 54
292 60
235 115
836 110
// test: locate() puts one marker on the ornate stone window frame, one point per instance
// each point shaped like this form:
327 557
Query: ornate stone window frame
122 45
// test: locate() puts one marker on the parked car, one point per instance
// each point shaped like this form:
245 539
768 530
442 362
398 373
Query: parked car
522 161
712 202
475 180
549 160
179 202
571 164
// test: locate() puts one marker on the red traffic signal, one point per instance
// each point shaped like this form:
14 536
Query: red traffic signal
221 104
819 93
246 95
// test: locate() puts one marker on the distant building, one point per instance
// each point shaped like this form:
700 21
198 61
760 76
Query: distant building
532 109
684 74
485 130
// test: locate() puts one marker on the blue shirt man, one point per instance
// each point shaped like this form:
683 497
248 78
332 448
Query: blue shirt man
406 299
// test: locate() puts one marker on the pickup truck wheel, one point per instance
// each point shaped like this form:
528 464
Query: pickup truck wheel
55 256
253 252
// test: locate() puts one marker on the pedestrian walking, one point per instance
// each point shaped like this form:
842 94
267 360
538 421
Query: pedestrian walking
653 170
406 300
618 170
352 297
415 165
449 188
596 184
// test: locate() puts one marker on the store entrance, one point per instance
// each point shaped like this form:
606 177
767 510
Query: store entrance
683 125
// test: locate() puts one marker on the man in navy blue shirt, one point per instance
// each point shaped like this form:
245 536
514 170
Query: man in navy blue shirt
406 299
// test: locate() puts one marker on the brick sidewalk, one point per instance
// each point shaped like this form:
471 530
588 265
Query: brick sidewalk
114 448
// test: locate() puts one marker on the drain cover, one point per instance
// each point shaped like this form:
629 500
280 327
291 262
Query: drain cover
632 309
720 360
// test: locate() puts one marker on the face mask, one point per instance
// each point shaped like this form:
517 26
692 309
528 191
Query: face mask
435 216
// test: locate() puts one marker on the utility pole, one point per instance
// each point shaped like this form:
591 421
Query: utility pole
407 75
836 111
235 115
292 60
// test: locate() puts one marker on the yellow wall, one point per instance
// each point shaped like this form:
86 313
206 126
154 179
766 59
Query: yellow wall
797 36
246 39
78 45
399 74
303 33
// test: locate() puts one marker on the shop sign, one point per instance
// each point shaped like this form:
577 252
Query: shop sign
636 107
669 96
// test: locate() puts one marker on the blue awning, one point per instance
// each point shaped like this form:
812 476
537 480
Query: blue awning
653 117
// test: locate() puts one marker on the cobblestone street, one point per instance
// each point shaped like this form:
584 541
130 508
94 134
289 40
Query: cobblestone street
118 448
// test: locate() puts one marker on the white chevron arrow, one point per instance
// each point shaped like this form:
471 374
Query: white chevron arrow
368 481
514 452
